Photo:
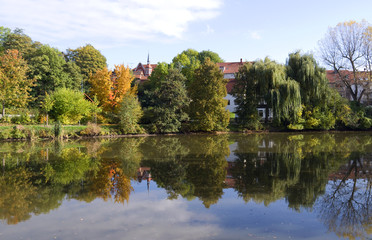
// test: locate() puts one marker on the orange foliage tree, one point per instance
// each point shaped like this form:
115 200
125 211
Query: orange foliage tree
111 86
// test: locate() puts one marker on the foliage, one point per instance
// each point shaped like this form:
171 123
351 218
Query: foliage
18 40
15 86
346 49
207 107
189 60
88 59
265 82
69 106
110 87
130 113
49 67
170 103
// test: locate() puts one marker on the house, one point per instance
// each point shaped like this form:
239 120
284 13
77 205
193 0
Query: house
143 71
335 82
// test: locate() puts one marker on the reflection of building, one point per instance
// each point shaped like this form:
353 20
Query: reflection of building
144 173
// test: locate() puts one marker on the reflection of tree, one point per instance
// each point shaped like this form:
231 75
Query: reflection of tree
110 181
346 207
189 166
19 197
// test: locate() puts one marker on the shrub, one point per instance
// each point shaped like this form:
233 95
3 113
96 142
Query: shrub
92 129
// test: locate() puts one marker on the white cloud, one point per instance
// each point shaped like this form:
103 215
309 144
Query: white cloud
255 35
105 21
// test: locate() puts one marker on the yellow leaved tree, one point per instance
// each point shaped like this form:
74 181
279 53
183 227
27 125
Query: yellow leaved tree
111 86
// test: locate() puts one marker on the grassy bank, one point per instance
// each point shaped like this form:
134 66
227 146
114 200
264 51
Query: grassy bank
34 132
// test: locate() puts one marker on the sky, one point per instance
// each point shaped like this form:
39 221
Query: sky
126 31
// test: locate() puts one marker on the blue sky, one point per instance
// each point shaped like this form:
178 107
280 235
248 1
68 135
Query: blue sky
125 31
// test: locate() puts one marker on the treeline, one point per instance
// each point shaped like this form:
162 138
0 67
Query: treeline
187 94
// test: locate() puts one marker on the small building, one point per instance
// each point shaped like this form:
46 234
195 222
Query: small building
143 71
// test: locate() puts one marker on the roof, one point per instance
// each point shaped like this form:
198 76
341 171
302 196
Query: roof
230 67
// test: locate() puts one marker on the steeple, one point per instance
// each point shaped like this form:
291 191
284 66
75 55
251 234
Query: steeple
148 58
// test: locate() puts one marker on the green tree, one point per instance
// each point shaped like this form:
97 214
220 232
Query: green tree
207 107
319 109
88 59
171 102
69 106
146 89
187 61
4 32
214 57
18 40
265 82
15 86
49 67
130 113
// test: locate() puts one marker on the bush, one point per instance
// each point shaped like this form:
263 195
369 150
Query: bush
18 132
5 134
130 113
92 130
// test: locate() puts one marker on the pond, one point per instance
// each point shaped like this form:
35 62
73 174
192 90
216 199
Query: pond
228 186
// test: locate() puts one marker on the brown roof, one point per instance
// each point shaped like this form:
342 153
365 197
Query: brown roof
230 67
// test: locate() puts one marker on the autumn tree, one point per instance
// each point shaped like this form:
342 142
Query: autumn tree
15 86
346 49
207 107
111 86
88 59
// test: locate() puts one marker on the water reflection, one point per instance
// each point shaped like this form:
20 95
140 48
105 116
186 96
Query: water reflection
329 174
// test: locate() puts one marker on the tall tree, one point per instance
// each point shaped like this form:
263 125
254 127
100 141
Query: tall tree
110 87
214 57
207 107
18 40
4 32
171 102
265 82
189 60
15 86
49 67
346 48
89 59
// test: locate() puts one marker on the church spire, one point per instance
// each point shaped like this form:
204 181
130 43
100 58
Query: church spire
148 58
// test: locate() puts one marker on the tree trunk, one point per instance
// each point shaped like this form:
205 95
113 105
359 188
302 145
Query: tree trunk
3 112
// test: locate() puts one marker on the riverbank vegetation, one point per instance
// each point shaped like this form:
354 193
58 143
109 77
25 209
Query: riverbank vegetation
42 90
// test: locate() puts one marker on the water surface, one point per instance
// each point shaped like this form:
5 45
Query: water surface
264 186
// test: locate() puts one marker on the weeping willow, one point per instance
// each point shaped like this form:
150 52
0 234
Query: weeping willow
312 78
266 82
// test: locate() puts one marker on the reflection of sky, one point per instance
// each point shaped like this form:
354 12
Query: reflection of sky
149 215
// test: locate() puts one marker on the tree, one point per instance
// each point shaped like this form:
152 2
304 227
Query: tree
214 57
171 102
49 67
130 113
4 32
15 86
207 107
265 82
346 48
20 41
146 89
318 101
88 59
110 87
189 60
69 106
